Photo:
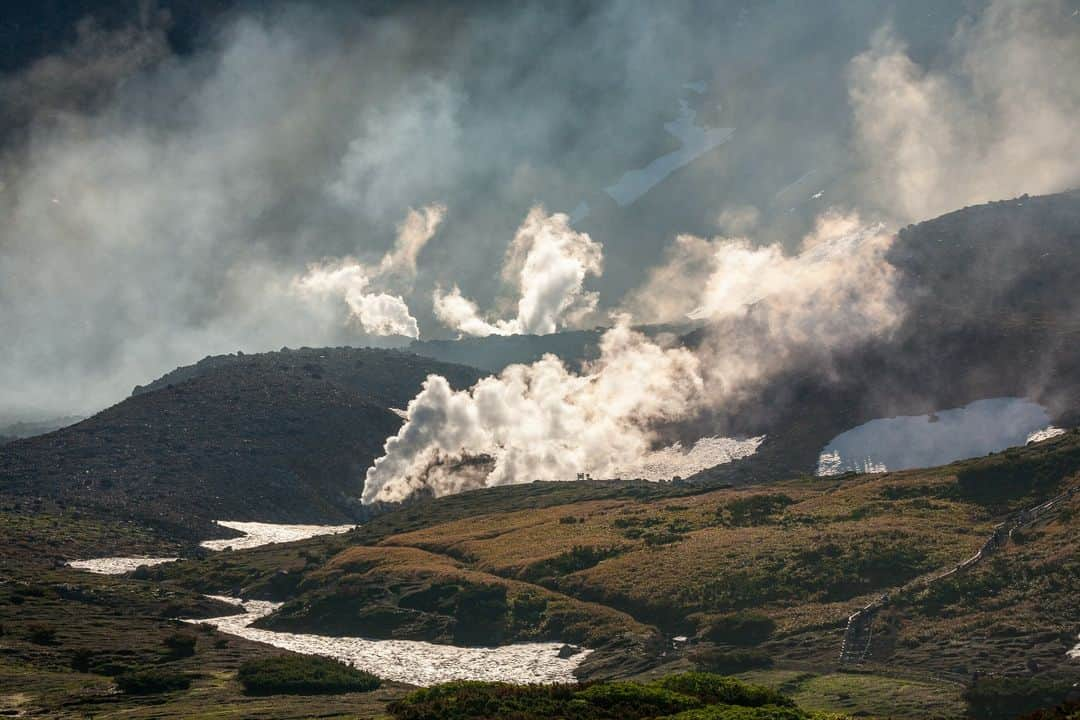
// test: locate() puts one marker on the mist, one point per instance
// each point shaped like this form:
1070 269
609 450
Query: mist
249 191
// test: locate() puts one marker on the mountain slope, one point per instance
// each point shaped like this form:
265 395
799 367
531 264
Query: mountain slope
275 437
388 378
990 311
805 553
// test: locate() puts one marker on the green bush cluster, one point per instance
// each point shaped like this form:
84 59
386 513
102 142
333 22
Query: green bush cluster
753 510
825 573
689 696
180 645
149 681
718 660
579 557
1010 697
739 628
1015 478
41 634
302 675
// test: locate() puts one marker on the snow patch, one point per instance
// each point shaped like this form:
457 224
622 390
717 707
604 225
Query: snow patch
409 661
118 565
905 442
830 463
257 533
696 141
707 452
1044 434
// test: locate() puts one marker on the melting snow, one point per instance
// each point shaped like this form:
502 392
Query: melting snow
117 565
696 141
410 661
257 534
914 441
579 213
1045 434
830 463
707 452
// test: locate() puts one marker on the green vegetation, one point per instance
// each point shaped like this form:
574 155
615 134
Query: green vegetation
150 681
1015 478
41 634
865 694
303 675
753 509
726 662
579 557
1064 711
180 645
686 696
1009 697
741 628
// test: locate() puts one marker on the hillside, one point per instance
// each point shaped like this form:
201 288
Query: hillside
805 553
761 579
990 312
277 436
387 378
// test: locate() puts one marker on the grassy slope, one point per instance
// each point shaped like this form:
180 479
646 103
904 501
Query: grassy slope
673 582
672 562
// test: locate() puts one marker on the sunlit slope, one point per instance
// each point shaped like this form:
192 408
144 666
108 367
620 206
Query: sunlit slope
805 552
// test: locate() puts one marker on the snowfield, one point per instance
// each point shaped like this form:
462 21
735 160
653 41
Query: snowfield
257 533
117 565
696 141
409 661
707 452
912 441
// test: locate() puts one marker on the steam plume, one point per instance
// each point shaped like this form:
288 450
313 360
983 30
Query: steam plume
377 311
540 421
546 264
998 123
543 422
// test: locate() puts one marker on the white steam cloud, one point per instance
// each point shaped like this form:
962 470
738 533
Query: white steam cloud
998 123
837 285
538 422
543 422
367 291
546 264
158 204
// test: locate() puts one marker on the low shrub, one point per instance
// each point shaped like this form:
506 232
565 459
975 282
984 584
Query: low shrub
1066 711
690 696
741 628
728 662
41 634
150 681
180 645
302 675
1009 697
630 699
81 660
753 509
1015 479
738 712
717 690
